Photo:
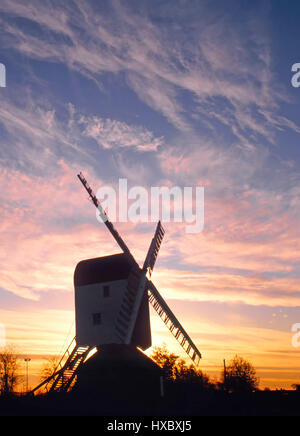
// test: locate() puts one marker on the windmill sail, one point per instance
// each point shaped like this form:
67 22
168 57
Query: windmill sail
170 320
106 221
131 304
154 249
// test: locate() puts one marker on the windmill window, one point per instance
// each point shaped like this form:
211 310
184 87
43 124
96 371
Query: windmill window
97 319
106 291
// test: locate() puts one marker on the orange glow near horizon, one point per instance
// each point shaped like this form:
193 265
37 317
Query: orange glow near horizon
275 370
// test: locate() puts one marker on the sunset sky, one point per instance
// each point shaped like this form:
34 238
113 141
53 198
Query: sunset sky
162 93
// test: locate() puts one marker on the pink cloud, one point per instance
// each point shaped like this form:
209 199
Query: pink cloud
38 252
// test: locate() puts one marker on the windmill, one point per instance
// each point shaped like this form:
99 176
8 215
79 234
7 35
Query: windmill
112 296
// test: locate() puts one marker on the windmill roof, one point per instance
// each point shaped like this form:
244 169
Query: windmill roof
101 270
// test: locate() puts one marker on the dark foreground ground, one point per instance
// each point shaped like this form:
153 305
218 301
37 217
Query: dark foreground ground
214 403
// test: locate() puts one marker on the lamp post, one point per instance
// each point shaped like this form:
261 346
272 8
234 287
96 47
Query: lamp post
27 360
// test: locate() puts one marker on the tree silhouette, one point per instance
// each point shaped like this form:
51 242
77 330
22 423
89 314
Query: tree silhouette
165 360
191 375
176 370
50 367
8 371
240 376
296 387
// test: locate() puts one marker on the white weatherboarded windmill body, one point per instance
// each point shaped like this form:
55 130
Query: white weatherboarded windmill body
112 296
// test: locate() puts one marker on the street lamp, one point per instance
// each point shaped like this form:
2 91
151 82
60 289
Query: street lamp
27 360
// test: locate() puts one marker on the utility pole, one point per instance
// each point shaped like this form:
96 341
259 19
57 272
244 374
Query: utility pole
225 375
27 360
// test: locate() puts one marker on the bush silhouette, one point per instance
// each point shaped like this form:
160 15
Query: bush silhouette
240 376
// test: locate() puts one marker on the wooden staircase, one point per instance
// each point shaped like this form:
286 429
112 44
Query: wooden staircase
64 377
